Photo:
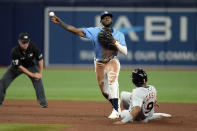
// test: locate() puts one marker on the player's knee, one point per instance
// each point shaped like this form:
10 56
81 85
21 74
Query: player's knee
125 98
112 77
122 94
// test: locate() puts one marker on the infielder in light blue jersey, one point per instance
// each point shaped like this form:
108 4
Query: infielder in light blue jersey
92 34
107 65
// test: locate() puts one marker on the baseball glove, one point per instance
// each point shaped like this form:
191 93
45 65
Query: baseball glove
106 39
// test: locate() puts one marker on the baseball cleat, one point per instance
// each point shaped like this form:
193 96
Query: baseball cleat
44 106
114 114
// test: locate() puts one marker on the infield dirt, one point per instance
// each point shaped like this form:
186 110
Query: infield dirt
92 116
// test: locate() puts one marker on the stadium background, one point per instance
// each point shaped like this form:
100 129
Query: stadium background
167 42
173 84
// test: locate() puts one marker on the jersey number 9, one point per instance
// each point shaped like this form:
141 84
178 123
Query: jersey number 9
149 107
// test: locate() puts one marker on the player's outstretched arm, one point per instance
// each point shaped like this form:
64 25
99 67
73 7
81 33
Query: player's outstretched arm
67 27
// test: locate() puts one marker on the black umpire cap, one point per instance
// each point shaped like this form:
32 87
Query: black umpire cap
106 13
24 37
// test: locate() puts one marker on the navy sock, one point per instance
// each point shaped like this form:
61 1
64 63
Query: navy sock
114 103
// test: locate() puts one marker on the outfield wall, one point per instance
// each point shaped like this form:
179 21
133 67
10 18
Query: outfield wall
161 37
154 36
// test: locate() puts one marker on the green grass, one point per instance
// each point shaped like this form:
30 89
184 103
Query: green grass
172 86
62 84
31 127
175 86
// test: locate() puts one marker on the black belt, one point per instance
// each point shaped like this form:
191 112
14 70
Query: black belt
105 61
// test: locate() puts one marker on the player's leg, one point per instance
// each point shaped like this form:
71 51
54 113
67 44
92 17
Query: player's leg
126 116
39 89
156 116
6 79
112 69
100 75
125 99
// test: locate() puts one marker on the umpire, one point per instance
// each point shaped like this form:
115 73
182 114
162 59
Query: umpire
23 61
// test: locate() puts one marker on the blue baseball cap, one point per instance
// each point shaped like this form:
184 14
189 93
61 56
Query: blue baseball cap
106 13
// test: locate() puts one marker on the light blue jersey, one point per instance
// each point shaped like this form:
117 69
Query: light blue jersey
92 34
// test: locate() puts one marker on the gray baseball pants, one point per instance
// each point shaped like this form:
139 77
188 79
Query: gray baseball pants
12 73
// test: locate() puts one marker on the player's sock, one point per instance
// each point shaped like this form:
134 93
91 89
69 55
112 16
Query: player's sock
114 103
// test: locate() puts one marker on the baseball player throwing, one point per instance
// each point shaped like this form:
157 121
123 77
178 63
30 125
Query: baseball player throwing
107 42
140 103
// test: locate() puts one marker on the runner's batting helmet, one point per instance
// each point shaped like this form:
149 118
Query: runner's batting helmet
139 77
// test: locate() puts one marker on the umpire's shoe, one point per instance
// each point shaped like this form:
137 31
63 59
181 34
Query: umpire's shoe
44 105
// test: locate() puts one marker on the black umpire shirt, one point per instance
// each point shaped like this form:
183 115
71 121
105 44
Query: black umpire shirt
26 58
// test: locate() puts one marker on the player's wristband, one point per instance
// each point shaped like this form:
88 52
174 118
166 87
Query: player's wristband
122 49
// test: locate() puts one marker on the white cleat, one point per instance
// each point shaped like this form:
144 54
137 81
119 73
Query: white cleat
114 115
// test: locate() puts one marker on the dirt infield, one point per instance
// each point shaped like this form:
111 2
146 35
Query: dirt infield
92 116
